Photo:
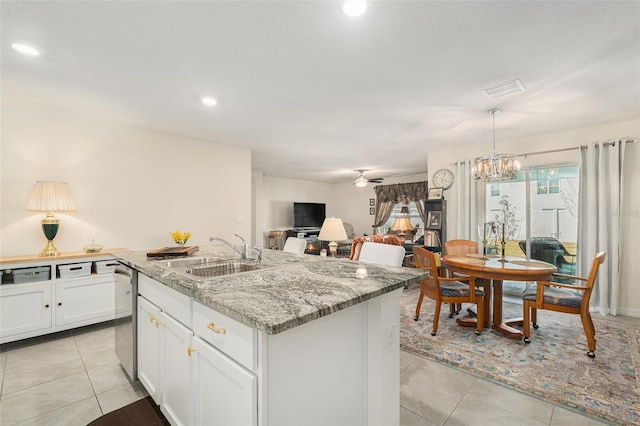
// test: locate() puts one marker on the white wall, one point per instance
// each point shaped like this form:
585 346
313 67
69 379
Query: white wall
132 186
343 200
279 194
629 297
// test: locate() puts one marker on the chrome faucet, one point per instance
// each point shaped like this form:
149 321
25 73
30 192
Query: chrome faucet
259 250
241 250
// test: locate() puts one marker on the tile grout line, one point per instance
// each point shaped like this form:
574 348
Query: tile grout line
95 395
49 381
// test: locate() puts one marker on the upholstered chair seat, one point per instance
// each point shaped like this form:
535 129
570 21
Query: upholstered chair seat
556 296
457 289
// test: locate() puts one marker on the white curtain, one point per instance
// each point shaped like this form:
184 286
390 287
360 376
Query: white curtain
469 202
599 207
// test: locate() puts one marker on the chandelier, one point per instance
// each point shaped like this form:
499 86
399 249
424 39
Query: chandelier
495 167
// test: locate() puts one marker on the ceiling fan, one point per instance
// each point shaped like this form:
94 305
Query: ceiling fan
362 181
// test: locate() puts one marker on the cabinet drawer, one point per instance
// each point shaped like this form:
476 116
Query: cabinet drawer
238 341
169 300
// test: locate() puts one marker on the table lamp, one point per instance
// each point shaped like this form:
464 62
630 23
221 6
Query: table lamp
402 224
50 197
332 230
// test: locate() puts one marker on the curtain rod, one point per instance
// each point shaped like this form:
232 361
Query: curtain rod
553 151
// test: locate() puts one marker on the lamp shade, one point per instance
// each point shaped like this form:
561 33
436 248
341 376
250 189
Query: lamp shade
51 196
332 230
402 221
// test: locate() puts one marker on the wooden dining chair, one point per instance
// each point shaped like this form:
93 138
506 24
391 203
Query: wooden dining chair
445 290
567 298
460 247
467 247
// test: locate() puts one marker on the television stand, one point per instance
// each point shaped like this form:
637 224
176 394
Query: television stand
308 232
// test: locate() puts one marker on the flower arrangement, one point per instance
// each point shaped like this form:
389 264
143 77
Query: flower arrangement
180 237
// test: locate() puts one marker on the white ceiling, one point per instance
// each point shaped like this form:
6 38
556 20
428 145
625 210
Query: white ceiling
316 94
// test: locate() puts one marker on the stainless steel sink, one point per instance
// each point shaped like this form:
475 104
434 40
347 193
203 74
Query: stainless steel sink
222 267
212 266
183 263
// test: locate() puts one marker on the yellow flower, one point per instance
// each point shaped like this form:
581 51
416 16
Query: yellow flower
180 237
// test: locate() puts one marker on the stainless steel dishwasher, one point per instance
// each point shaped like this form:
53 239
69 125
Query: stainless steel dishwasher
125 323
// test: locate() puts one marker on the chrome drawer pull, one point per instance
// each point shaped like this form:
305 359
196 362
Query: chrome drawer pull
211 327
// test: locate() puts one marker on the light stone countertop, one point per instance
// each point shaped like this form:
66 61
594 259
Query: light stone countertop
289 291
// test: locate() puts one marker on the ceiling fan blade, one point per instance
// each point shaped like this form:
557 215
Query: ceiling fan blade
376 180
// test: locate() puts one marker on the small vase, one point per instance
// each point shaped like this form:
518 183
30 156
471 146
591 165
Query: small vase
181 244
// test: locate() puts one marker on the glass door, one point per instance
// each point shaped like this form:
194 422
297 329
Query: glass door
539 210
554 216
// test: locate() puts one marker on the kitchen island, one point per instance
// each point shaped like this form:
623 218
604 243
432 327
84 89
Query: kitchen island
302 340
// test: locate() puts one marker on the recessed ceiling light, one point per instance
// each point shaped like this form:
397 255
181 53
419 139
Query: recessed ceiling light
354 7
209 101
26 49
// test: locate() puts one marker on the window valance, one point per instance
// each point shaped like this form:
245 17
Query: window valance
411 191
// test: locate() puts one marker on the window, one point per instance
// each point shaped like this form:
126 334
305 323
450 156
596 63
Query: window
495 189
546 223
414 217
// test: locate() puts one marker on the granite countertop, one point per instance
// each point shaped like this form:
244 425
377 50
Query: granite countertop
288 291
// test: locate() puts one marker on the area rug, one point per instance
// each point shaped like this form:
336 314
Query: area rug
554 366
143 412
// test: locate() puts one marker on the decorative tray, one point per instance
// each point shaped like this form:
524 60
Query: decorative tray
173 252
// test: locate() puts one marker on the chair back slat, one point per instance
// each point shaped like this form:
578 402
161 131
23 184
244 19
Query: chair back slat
460 247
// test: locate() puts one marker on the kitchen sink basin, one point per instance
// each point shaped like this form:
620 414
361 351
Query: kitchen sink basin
222 267
212 266
183 263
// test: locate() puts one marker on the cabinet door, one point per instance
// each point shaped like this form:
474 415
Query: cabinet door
85 300
149 348
224 392
175 368
24 308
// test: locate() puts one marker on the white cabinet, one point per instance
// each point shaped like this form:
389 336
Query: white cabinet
25 308
85 300
29 309
340 369
149 344
224 392
176 371
193 382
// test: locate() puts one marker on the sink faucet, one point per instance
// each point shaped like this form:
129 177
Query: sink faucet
259 250
241 250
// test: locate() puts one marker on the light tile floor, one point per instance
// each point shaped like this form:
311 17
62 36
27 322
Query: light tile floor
74 377
69 378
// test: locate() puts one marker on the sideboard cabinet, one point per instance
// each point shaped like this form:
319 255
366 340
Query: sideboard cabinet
46 295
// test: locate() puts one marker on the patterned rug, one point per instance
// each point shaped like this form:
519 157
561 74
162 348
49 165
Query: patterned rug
554 366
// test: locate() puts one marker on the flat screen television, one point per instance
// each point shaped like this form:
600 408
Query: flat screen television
308 215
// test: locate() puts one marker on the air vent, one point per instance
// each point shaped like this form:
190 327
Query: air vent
505 89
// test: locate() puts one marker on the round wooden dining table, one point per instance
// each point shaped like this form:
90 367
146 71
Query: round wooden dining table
492 268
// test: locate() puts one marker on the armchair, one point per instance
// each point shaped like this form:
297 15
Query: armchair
446 290
465 247
572 299
356 245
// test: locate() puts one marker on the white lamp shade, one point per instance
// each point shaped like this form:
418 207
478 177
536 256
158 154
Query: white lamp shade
332 230
51 196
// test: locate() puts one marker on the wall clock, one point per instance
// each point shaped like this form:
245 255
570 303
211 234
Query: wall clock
443 178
